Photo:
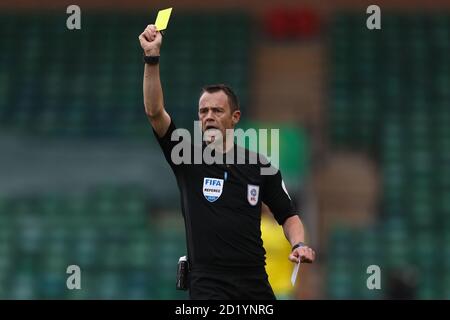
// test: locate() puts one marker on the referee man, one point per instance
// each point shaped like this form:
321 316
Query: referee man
221 203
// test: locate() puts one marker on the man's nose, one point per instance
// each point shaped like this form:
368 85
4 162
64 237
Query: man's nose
209 115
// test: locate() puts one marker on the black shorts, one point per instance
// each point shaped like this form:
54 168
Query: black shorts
229 286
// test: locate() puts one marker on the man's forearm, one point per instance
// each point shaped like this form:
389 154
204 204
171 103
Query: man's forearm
293 230
150 41
295 233
153 94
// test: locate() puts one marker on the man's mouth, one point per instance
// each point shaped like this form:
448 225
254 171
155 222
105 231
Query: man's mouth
211 133
209 126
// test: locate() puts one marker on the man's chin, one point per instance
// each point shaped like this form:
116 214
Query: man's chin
210 135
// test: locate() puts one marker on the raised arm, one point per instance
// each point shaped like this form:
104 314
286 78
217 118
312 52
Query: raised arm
151 40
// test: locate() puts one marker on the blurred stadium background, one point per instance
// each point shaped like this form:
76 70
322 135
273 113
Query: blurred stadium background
364 119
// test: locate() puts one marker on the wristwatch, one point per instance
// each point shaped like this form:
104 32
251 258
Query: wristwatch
152 60
298 245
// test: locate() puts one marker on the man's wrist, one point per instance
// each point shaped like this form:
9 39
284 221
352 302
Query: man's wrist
298 245
152 53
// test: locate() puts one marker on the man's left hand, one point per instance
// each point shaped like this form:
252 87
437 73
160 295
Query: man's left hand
304 253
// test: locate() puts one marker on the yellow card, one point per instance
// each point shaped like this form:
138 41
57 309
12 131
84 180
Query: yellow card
163 19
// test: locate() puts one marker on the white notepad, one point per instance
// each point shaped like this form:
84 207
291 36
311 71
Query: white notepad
294 273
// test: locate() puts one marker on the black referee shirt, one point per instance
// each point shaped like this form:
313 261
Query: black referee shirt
221 206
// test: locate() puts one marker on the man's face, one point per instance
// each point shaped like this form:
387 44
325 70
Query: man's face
214 113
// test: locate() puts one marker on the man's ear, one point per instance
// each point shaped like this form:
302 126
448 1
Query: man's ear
236 117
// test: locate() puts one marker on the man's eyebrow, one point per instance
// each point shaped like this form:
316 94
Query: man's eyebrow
211 107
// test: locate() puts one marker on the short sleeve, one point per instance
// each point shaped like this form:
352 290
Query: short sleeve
276 197
168 143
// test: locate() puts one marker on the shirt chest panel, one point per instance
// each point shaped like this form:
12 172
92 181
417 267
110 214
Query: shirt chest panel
239 186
